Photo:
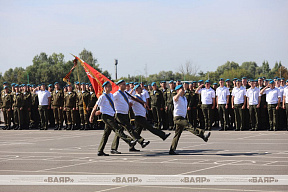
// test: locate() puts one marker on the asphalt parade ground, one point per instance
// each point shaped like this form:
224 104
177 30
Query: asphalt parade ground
35 152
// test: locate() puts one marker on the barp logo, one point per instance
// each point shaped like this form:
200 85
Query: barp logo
195 180
127 180
59 180
263 180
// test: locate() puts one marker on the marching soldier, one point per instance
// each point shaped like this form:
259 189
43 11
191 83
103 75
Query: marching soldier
180 112
107 109
57 104
122 104
70 107
82 102
18 104
7 101
157 105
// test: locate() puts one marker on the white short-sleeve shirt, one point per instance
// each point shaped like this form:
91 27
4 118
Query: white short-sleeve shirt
238 94
207 96
138 108
43 97
272 95
253 95
285 93
104 104
121 105
180 106
222 93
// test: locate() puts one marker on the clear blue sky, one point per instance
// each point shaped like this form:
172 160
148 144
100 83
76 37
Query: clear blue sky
162 34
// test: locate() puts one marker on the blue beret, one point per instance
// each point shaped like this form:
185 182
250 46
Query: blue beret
276 77
227 80
13 84
153 83
55 83
136 83
178 87
171 81
4 82
131 82
136 87
264 77
271 82
5 87
221 79
145 85
178 80
244 77
163 81
104 84
77 83
260 78
120 81
235 79
50 85
238 80
207 81
127 83
33 86
87 84
16 85
200 81
186 82
287 80
215 84
82 83
194 82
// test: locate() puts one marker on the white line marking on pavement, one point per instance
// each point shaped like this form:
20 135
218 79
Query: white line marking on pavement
111 188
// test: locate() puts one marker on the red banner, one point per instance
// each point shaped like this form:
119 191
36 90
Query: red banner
96 78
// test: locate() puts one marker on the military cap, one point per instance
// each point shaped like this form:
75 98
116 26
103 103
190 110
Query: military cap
106 83
77 83
207 81
227 80
136 87
238 80
178 87
221 79
244 77
215 84
87 83
145 85
287 80
13 84
120 81
194 82
200 81
271 82
186 82
235 79
171 81
276 77
136 83
153 83
131 82
4 83
16 85
127 83
56 83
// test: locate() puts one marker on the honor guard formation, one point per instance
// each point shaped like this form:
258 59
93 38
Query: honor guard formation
236 104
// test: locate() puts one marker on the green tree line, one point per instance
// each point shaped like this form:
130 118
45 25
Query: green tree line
50 68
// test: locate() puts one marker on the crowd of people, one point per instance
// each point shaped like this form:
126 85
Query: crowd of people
237 104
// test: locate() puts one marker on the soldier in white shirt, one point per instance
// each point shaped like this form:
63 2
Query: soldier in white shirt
273 99
122 105
281 112
238 104
180 112
253 104
139 109
285 103
222 100
208 102
107 109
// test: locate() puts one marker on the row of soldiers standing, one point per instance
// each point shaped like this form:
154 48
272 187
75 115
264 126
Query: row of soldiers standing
22 106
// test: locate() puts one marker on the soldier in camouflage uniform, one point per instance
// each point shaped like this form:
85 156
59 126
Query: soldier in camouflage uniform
157 104
6 106
35 118
57 102
18 103
82 102
92 101
26 107
70 107
169 107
